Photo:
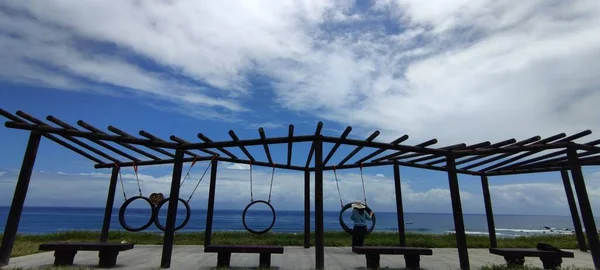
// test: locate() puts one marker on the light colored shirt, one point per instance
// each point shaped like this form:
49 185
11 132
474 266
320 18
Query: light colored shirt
360 220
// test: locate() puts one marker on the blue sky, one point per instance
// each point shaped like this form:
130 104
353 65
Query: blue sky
450 70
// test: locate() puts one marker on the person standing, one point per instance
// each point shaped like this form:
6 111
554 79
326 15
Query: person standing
360 217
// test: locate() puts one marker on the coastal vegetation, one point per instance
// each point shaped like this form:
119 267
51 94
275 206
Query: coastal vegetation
28 244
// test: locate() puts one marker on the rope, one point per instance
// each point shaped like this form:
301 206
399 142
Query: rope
251 195
121 177
188 172
338 187
209 164
363 183
271 188
135 168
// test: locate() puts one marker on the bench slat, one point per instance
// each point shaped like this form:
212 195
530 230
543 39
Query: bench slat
86 246
244 249
530 252
392 250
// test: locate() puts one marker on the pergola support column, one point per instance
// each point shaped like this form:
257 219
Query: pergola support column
306 209
110 199
319 238
211 202
167 250
459 226
488 211
574 211
16 208
399 209
584 203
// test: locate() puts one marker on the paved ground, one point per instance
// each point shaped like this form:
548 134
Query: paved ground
193 257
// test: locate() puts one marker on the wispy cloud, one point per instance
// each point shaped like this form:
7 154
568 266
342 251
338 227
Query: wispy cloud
233 191
451 69
237 166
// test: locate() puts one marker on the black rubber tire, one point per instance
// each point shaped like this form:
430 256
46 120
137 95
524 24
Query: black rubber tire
188 214
262 231
350 230
122 214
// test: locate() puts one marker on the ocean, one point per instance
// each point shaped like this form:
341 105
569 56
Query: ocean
43 220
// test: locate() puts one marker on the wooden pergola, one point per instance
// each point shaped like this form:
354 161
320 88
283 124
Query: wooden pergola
558 153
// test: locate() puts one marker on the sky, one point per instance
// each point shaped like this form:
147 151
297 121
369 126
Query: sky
455 70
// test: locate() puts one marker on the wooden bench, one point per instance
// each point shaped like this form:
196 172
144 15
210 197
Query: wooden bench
411 254
516 256
64 253
224 253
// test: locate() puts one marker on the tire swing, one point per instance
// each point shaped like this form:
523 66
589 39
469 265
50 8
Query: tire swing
253 202
151 201
186 203
349 205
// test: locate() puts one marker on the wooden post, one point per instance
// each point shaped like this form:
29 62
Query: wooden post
459 226
399 210
584 203
110 199
488 211
167 250
574 211
16 208
211 202
319 238
306 209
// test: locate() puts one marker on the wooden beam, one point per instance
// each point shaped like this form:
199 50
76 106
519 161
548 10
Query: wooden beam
312 146
399 209
379 151
337 145
584 203
169 234
459 226
261 132
573 208
110 199
223 150
489 213
16 207
359 147
319 237
290 142
306 209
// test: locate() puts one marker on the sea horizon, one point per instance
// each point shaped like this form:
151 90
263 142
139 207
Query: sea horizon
52 219
287 210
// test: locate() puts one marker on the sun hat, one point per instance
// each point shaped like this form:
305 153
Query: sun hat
358 205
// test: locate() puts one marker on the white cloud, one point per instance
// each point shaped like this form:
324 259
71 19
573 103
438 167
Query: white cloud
2 173
379 175
237 166
233 191
461 71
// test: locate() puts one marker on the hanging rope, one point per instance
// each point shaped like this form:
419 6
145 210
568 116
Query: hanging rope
135 168
363 182
338 186
202 177
121 178
251 195
189 169
271 188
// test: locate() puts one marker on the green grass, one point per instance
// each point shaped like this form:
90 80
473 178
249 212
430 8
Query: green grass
28 244
525 267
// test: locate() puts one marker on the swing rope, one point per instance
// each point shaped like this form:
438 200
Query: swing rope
251 195
135 168
121 178
338 186
271 188
202 177
188 171
363 182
